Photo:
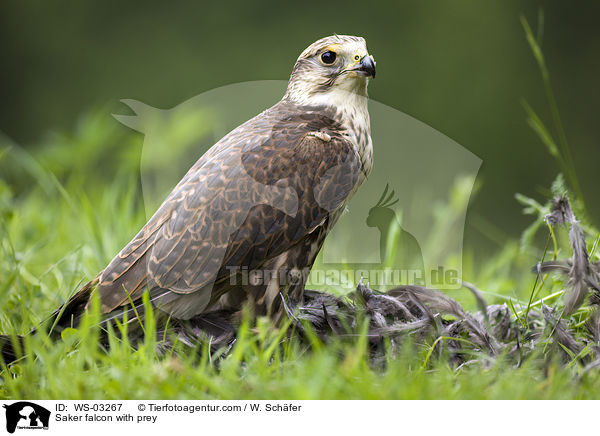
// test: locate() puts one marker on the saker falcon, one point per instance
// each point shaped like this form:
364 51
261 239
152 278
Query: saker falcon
263 198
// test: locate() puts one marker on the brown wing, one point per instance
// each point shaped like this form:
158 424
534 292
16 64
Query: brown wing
253 195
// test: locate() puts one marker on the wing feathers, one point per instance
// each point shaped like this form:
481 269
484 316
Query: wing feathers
254 195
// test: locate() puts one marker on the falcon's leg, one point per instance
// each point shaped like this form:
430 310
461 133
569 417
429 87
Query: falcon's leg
287 274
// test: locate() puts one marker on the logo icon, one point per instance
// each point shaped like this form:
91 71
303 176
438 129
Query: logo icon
26 415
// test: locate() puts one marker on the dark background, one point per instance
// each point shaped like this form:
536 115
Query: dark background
461 67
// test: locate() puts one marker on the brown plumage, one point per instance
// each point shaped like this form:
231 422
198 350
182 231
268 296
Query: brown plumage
241 205
262 198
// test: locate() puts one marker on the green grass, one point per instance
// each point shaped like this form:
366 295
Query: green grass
256 369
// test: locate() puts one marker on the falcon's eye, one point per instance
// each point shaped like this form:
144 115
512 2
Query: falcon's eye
328 57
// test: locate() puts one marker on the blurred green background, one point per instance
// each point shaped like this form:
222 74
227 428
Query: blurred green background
462 67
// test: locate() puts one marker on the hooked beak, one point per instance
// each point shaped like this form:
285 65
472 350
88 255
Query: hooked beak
366 66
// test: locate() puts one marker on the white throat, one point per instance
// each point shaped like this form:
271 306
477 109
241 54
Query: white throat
349 100
351 108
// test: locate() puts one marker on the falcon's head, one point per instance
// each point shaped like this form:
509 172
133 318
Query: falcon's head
331 71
